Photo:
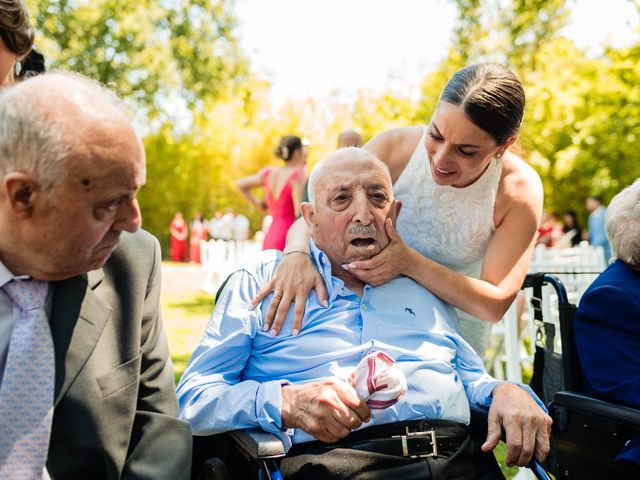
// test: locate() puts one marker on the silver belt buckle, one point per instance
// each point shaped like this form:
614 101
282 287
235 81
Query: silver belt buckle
405 446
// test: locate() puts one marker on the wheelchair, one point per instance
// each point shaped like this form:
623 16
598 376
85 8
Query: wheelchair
588 432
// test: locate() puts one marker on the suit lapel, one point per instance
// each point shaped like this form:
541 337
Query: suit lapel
78 317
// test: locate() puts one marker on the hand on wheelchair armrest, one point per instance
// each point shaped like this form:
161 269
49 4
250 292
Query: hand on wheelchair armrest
526 428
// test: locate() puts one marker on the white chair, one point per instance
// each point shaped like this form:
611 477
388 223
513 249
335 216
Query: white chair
577 268
220 258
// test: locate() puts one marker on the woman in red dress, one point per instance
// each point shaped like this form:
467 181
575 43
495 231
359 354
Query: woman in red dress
198 233
283 189
179 231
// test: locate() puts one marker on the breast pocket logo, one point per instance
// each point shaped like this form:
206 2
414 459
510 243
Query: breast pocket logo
410 312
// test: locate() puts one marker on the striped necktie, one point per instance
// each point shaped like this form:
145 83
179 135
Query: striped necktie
26 392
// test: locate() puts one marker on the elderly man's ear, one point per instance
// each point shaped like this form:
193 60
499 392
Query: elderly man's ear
394 211
306 209
20 190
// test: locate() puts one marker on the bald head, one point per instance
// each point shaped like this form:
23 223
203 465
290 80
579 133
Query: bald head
46 119
338 160
71 165
352 198
349 138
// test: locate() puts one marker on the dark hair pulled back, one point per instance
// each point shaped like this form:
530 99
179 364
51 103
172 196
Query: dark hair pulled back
491 96
15 29
288 145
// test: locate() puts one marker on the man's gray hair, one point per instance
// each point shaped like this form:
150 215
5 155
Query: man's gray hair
37 139
352 152
623 225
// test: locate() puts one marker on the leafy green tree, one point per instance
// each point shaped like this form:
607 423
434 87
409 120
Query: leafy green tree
159 55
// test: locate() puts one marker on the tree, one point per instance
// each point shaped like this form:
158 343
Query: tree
145 50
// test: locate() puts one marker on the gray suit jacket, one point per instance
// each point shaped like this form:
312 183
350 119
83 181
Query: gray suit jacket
115 404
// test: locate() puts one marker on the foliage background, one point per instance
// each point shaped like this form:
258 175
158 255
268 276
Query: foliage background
206 119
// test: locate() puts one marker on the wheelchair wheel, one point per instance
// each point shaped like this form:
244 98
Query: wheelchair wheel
214 469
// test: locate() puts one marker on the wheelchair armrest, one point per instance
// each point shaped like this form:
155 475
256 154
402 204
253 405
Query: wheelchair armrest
594 406
258 444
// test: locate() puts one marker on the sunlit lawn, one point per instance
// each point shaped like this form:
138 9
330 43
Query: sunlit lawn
186 309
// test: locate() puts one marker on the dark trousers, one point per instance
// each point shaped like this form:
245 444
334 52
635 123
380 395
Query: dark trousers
468 463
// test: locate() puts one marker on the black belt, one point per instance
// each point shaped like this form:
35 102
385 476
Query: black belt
411 439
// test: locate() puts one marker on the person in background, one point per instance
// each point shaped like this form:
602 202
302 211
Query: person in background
86 381
16 39
597 230
240 228
199 233
549 230
214 225
350 138
179 232
471 207
32 65
225 225
571 227
347 138
283 189
607 323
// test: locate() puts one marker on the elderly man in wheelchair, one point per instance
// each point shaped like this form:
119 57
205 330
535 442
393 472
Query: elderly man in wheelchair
334 393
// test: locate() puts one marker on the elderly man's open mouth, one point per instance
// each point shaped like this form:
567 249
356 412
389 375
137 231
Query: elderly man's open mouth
363 242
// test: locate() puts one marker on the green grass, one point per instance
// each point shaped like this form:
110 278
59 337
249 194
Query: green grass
186 310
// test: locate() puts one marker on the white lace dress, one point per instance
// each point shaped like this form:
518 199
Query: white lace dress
452 226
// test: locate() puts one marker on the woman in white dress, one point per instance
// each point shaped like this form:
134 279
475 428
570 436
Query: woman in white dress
470 211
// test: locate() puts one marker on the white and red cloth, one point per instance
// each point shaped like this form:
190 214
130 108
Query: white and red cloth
378 381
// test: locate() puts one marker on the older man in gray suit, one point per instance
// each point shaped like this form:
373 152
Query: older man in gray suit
86 383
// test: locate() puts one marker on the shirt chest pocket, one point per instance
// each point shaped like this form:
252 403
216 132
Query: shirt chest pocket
120 377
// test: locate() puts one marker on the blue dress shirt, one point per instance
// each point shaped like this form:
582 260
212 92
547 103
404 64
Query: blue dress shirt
234 377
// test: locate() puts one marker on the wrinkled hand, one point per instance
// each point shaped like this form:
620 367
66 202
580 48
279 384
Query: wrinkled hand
386 265
293 280
329 409
526 427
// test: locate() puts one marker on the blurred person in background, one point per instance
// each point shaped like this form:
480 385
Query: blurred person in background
198 234
571 228
283 189
16 39
549 230
240 227
597 230
179 231
350 138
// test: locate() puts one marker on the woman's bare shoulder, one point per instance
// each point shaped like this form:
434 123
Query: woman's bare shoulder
395 147
521 184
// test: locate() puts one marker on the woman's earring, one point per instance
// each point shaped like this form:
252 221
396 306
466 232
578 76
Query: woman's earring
17 68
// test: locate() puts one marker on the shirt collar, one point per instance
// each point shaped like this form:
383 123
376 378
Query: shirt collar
335 286
6 276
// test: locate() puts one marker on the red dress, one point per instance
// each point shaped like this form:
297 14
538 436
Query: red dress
178 229
281 209
198 233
